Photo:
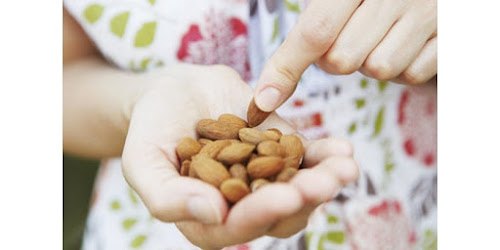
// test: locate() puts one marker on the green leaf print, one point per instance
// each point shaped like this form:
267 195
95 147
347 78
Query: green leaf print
292 7
275 29
335 237
159 64
118 23
131 194
379 122
360 103
128 223
138 241
429 241
363 83
152 2
144 63
389 167
382 86
115 205
93 12
145 35
352 128
332 219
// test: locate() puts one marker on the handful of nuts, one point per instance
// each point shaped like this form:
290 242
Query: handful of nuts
237 159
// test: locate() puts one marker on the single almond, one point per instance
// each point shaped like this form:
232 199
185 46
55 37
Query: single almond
265 166
292 145
213 148
233 121
255 116
216 130
258 183
187 147
254 136
204 141
192 173
270 148
239 171
185 168
234 189
235 153
292 162
286 174
276 130
209 170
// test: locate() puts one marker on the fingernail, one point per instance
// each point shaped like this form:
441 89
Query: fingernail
203 210
268 99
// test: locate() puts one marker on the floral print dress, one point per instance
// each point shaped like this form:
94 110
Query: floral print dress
392 127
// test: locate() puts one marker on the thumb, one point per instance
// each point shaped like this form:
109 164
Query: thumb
309 39
168 196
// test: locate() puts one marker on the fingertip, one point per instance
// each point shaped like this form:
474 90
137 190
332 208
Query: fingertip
315 186
268 99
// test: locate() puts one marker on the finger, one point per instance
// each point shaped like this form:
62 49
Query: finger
424 67
402 44
308 40
150 172
292 224
318 150
365 29
250 218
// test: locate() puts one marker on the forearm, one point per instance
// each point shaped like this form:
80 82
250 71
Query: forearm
97 104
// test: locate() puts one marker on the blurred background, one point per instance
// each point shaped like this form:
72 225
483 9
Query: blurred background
78 179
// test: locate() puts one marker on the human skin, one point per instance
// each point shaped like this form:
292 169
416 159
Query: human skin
384 39
141 117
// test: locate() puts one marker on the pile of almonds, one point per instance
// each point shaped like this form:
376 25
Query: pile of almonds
237 159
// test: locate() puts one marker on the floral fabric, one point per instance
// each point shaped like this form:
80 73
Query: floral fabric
392 127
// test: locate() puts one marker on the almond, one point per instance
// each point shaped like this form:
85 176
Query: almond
192 173
292 145
270 148
252 157
204 141
235 153
210 170
233 120
185 168
286 174
276 130
212 149
234 189
255 116
265 166
187 147
258 183
214 130
254 136
239 171
292 162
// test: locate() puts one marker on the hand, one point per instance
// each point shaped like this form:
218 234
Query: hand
387 40
172 103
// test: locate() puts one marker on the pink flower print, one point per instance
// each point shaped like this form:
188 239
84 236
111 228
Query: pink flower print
417 120
219 40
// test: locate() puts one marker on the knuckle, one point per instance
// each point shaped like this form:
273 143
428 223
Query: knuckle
341 63
413 77
284 70
381 70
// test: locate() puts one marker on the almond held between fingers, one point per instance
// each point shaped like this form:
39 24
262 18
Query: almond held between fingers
270 148
286 174
265 166
235 153
187 147
258 183
233 120
212 149
209 170
239 171
292 145
255 116
234 189
215 130
185 168
254 136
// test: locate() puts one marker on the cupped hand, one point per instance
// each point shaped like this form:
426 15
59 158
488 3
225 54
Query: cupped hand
384 39
173 101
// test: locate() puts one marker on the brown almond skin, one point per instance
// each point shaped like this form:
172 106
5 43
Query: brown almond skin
185 168
204 141
233 121
292 162
265 166
258 183
192 173
255 116
254 136
214 130
286 174
213 149
210 170
234 189
276 130
292 145
235 153
187 147
239 171
270 148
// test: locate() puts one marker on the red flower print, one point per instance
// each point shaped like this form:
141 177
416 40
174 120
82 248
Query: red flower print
417 120
383 225
219 40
